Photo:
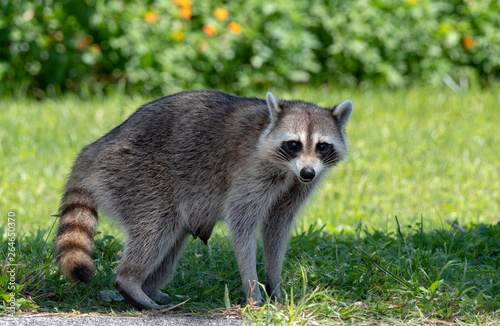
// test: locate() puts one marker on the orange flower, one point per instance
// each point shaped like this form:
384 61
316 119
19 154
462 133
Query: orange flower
150 18
95 49
468 43
183 3
221 14
81 44
234 28
209 30
178 36
186 13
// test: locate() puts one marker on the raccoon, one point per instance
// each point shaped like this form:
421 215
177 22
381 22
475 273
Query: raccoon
182 163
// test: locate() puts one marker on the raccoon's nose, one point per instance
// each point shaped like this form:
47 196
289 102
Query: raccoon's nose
307 174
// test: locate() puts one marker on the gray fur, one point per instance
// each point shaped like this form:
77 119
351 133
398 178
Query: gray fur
184 162
272 106
343 112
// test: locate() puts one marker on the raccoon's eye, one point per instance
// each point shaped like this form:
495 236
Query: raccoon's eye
294 145
323 147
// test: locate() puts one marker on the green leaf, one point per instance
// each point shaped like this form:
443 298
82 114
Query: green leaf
227 302
435 285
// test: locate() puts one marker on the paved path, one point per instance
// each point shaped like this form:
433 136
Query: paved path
117 321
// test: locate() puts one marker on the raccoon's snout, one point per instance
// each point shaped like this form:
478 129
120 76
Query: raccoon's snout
307 174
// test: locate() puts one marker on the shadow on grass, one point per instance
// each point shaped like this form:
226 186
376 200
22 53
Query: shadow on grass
443 274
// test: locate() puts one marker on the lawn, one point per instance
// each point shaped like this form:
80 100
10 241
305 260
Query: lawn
429 157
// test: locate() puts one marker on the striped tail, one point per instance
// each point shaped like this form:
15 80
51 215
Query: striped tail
75 236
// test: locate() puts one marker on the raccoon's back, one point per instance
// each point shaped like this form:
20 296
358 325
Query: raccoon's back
199 116
180 145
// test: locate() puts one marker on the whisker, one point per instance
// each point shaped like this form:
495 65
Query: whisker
331 158
285 153
282 155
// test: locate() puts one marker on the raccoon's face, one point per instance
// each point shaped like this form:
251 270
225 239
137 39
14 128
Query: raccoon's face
308 155
304 138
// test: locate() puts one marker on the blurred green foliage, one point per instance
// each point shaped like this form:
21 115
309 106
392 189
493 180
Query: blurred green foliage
48 47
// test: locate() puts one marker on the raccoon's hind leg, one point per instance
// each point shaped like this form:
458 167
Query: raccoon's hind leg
144 251
164 272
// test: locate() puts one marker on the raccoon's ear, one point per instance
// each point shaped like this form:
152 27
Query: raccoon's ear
272 106
342 112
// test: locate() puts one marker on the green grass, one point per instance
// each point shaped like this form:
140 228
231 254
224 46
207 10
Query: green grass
423 155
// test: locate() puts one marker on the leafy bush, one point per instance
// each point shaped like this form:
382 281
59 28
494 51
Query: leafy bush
396 42
49 47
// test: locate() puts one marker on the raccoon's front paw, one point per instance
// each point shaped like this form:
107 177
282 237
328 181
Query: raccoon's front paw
274 292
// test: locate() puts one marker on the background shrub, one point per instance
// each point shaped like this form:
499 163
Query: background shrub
48 47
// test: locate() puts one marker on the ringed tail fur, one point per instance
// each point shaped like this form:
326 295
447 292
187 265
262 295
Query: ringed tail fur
75 237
